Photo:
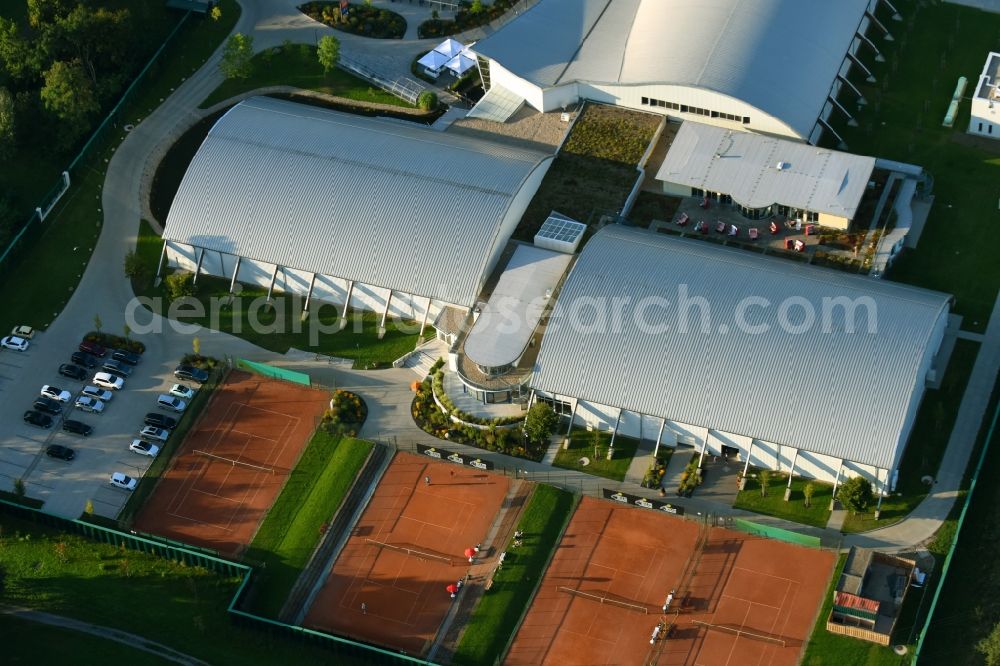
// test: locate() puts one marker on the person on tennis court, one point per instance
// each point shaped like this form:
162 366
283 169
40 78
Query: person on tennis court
364 608
427 480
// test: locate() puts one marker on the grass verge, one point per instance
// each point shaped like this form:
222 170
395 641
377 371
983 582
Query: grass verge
581 445
181 606
498 613
161 462
816 514
928 440
30 643
294 524
296 65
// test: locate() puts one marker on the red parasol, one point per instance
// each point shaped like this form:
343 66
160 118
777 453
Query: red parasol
451 589
469 552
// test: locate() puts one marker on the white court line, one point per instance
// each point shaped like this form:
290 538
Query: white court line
757 573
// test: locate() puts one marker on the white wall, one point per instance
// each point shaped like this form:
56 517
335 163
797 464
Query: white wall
531 93
985 121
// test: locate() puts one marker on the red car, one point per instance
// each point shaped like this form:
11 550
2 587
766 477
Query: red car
93 348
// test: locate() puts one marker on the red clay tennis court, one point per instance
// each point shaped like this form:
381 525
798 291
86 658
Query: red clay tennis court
233 464
406 548
603 593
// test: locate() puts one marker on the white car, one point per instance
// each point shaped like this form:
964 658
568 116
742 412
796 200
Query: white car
88 404
181 391
153 433
15 343
123 481
97 393
56 393
108 381
143 448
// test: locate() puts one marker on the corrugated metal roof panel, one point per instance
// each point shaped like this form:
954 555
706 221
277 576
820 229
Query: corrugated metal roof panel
744 165
363 199
745 370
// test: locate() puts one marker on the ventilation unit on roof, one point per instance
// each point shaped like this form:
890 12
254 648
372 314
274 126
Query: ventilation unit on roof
560 233
781 166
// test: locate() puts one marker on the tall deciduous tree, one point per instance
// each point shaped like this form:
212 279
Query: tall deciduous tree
8 125
18 56
989 647
540 423
236 56
328 52
69 95
856 494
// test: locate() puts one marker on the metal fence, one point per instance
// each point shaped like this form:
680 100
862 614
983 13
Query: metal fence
22 241
274 372
402 87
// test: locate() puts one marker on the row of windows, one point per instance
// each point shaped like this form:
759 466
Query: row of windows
989 128
698 111
758 213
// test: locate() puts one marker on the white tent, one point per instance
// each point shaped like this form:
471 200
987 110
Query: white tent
450 47
434 60
461 63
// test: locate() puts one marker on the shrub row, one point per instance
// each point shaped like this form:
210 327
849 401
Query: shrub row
112 341
450 408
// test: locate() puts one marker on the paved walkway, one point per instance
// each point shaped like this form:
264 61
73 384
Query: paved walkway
123 637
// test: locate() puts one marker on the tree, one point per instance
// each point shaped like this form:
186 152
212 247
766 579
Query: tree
764 477
8 125
180 285
135 269
540 423
328 52
989 647
808 491
216 13
69 95
88 508
856 494
476 7
236 57
98 323
196 345
17 54
427 100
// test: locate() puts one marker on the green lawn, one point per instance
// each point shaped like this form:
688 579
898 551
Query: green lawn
903 123
293 527
45 271
148 481
928 440
31 643
297 65
499 612
178 605
581 445
774 504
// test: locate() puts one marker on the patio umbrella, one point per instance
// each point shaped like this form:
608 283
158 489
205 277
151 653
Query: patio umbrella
450 47
434 60
470 553
460 64
451 589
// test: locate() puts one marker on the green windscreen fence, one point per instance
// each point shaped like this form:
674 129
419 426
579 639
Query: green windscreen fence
274 372
775 533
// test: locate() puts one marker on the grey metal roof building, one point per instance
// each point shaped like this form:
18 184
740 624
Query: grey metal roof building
756 368
781 57
385 203
759 171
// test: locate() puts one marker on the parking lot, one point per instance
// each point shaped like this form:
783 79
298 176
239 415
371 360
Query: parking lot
65 486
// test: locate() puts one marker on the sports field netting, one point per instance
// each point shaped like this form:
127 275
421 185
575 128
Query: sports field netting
234 463
604 599
422 554
273 372
740 632
758 529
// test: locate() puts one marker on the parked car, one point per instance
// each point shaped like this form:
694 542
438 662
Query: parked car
56 393
85 359
117 368
125 356
97 393
154 434
31 417
93 348
77 427
182 392
72 371
189 373
164 401
87 404
60 452
123 481
160 420
143 448
23 331
47 405
109 381
15 343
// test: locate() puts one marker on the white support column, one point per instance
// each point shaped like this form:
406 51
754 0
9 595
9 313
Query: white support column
842 145
385 313
197 265
236 271
878 505
896 16
878 54
746 467
857 61
791 473
163 255
836 484
704 446
840 107
423 321
309 294
572 417
274 276
659 438
347 304
888 35
861 98
614 433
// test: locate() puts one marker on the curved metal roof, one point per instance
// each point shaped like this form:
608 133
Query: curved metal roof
388 203
780 56
823 389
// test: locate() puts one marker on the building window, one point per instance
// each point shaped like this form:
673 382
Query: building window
989 128
980 127
812 217
746 120
783 210
645 101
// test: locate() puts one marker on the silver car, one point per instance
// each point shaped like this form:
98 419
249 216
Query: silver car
88 404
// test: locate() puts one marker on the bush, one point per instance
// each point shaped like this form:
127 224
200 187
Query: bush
427 101
181 284
856 494
540 423
112 341
362 20
199 361
346 414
